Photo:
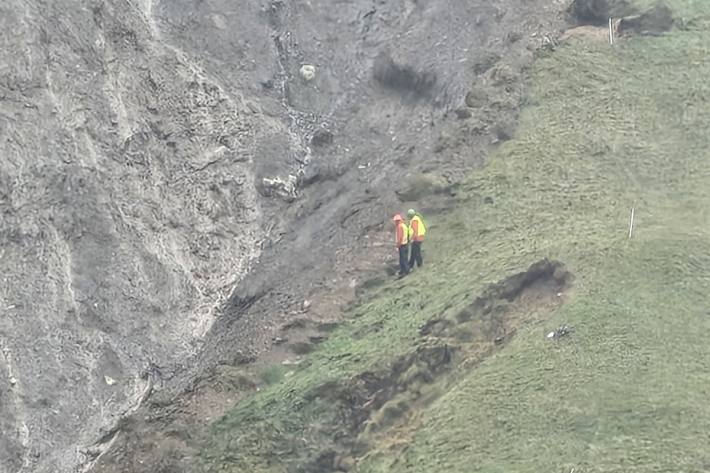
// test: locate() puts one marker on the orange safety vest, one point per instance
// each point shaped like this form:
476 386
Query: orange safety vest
402 234
418 228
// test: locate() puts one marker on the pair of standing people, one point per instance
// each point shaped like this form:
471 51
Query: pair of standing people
409 234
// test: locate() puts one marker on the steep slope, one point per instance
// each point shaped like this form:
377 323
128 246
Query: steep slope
390 109
154 153
624 391
452 370
125 176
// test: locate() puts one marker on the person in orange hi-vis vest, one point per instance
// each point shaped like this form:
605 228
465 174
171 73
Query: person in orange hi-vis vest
417 231
402 243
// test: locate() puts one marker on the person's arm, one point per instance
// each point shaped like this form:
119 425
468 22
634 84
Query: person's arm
415 228
398 235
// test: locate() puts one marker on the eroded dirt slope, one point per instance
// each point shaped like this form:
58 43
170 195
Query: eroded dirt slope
153 153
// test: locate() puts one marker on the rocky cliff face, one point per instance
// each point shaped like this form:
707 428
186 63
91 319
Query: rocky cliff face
129 212
165 162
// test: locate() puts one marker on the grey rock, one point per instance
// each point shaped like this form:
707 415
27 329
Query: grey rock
307 72
282 188
559 332
463 113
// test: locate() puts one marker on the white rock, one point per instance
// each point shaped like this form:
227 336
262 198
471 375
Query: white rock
551 335
284 188
13 381
109 380
308 72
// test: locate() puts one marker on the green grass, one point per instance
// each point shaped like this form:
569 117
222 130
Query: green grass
606 129
273 374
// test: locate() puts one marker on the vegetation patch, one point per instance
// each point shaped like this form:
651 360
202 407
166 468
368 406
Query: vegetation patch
273 374
358 412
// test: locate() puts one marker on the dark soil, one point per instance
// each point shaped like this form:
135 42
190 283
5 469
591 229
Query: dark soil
657 20
598 12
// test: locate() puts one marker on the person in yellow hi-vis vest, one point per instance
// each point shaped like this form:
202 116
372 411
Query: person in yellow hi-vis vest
402 243
417 230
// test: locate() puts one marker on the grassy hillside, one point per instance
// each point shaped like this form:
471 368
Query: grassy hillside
482 388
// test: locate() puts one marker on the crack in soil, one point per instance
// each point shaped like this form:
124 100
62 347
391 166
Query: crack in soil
380 410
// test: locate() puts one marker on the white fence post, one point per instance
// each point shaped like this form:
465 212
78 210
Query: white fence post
611 32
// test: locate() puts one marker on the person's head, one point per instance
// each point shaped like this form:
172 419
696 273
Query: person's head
411 213
397 218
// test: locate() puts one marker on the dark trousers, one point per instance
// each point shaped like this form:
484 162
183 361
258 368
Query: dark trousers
403 263
416 256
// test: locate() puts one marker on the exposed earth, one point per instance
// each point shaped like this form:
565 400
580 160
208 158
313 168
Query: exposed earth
143 238
196 195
